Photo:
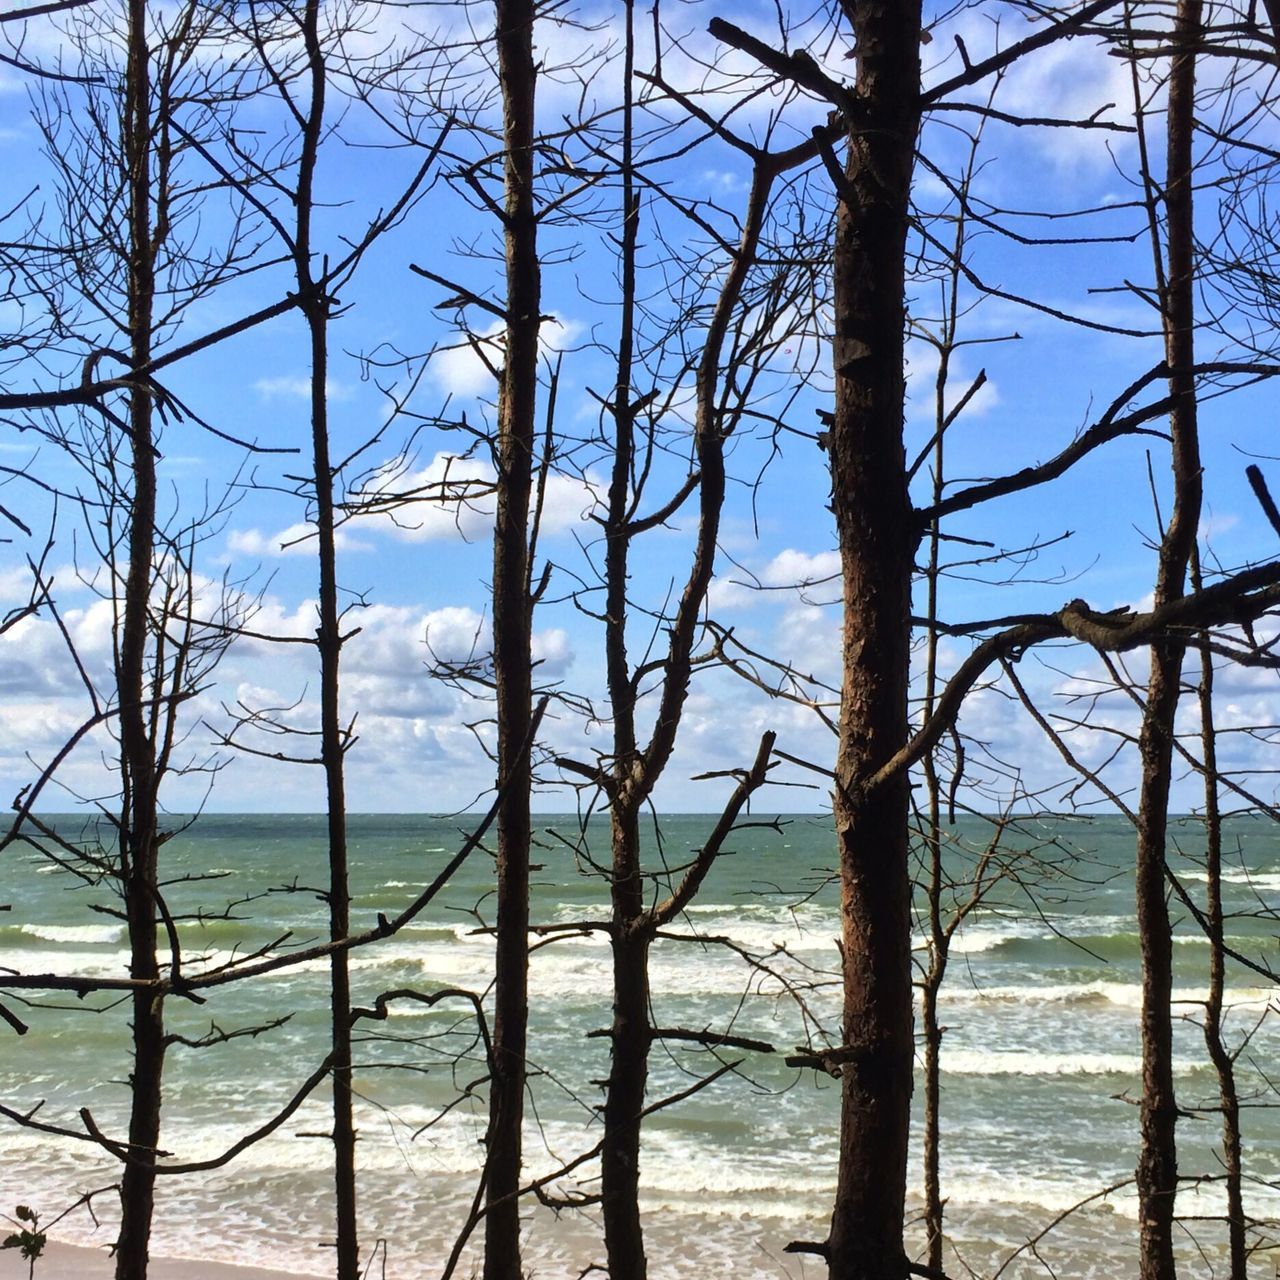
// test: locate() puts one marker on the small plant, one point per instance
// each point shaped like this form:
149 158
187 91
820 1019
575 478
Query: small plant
29 1239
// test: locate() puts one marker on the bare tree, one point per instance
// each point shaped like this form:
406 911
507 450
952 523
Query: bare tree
736 306
149 684
878 530
1214 923
303 55
512 630
1157 1163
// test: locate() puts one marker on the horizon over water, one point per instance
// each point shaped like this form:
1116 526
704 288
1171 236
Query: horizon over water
1040 1055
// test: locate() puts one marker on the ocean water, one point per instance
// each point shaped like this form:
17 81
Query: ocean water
1041 1063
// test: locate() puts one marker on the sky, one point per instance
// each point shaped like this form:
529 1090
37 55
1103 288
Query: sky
411 397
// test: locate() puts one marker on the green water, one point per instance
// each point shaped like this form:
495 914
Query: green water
1040 1053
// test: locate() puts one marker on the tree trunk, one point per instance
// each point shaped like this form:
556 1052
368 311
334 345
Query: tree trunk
138 837
512 609
620 1155
938 939
315 308
630 1032
1157 1172
332 752
877 541
933 1202
630 1037
1219 1055
635 770
1157 1162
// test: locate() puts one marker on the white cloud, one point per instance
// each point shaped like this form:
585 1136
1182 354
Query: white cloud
800 569
295 540
923 361
404 715
448 498
730 593
15 586
1071 79
452 497
1213 525
460 368
298 387
553 652
813 575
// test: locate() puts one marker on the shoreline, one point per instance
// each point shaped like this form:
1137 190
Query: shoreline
83 1262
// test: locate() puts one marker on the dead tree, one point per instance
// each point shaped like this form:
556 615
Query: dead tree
141 749
316 303
1157 1163
116 142
741 311
300 50
512 631
878 530
1214 924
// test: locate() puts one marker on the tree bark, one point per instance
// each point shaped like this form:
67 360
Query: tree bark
1219 1054
333 749
512 628
636 769
138 835
933 1202
315 308
1157 1171
877 540
630 1037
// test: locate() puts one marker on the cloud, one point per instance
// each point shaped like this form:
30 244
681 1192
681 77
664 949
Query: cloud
814 576
298 387
405 716
15 586
294 540
452 497
553 653
460 369
801 569
1072 79
1213 525
923 361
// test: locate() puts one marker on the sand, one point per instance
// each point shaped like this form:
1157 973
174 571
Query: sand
66 1262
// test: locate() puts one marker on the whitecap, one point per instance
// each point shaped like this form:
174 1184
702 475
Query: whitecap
88 933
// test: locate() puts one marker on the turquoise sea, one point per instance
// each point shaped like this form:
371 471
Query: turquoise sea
1040 1052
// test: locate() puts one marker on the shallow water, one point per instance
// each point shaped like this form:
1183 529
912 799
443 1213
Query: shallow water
1040 1053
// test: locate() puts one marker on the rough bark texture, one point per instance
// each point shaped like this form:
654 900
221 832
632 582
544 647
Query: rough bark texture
1219 1054
877 541
138 835
629 1061
315 308
938 939
517 401
933 1202
1157 1172
630 1033
332 751
1157 1162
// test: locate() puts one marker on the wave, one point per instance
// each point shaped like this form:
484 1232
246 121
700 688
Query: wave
1263 881
1123 995
979 938
1002 1062
90 933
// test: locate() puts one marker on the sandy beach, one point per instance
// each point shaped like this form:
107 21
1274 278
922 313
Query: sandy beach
563 1248
67 1262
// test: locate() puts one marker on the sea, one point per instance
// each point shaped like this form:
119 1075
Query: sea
1041 1068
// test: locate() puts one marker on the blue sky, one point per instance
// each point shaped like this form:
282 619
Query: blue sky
422 580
